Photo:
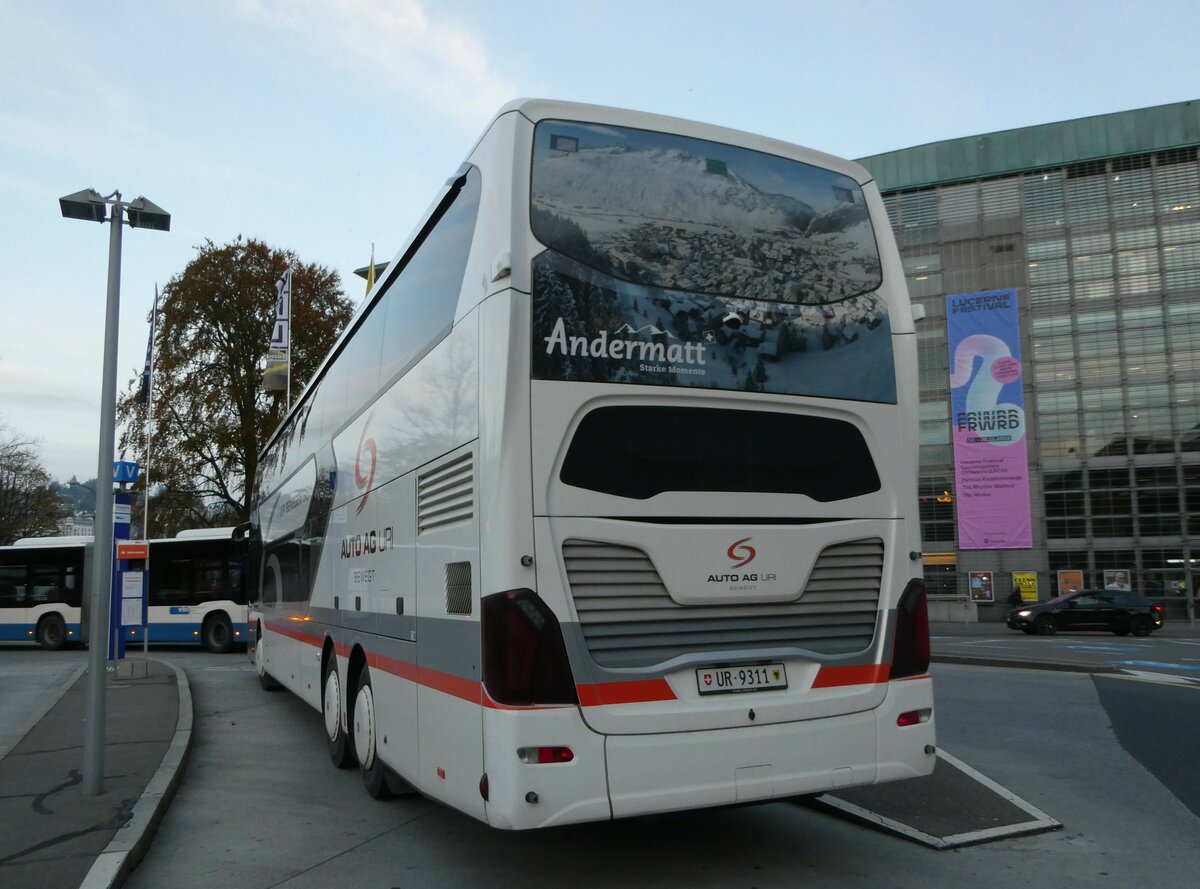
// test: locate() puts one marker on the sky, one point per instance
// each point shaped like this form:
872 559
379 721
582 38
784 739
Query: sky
326 126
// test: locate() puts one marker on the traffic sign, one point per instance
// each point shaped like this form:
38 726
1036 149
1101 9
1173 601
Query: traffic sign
125 472
133 549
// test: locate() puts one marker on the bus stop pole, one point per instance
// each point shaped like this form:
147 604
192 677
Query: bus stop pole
93 736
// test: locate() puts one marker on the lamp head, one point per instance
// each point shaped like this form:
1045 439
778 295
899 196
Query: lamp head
143 213
87 205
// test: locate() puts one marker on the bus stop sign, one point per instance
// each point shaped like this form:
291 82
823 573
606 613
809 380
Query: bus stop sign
125 472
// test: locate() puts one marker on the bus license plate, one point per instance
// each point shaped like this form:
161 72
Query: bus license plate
751 677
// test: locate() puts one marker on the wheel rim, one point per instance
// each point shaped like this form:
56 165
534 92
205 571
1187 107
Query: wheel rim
332 704
364 727
219 634
259 663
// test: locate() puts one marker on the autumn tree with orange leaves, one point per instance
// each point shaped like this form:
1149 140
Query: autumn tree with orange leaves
211 412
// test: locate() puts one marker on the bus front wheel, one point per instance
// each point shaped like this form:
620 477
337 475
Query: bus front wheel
51 632
217 633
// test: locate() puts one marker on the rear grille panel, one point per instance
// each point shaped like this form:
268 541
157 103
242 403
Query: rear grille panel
630 621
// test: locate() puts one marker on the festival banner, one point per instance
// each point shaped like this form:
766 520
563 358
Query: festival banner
279 360
991 466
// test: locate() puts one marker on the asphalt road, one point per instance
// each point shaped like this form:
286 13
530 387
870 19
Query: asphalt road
1159 726
262 806
1172 655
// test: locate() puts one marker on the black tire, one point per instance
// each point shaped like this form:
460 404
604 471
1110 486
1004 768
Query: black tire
52 632
217 633
1140 625
341 750
265 679
374 772
1045 625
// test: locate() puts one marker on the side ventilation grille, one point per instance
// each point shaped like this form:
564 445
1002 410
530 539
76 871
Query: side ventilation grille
458 587
446 495
630 620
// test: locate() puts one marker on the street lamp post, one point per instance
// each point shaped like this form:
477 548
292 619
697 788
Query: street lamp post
89 205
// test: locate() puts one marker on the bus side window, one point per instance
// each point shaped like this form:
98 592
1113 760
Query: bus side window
173 586
44 584
421 302
12 586
72 586
208 580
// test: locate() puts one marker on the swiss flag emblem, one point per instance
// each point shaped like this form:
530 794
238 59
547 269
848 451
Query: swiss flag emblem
708 678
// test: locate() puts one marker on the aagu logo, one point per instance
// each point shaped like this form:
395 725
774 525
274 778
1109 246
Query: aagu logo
740 549
361 479
741 553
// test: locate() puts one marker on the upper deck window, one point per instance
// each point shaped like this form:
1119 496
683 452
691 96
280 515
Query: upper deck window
670 211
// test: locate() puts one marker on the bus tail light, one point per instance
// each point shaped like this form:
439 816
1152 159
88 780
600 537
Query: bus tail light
910 648
524 656
545 755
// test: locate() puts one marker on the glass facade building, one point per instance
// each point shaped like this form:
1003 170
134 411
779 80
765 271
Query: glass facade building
1096 224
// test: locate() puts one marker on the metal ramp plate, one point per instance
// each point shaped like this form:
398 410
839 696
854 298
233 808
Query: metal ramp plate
955 806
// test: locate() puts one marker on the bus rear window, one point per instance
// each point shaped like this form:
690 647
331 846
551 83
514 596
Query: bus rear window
670 211
640 451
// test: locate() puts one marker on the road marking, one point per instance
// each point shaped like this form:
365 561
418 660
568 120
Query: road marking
1160 664
1098 648
1158 678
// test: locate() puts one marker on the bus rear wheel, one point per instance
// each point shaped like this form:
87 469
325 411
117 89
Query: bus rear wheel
366 739
51 632
265 679
340 749
217 633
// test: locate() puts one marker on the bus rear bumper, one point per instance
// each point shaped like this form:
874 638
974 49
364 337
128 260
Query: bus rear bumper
657 773
625 775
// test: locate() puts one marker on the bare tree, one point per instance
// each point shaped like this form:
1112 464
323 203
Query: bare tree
29 504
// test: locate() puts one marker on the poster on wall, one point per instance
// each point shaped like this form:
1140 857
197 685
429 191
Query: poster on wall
1070 580
1117 579
1025 582
987 417
981 587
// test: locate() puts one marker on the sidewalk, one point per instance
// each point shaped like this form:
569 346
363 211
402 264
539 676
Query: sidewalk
54 836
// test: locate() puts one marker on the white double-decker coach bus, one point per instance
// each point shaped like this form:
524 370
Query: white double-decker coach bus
605 502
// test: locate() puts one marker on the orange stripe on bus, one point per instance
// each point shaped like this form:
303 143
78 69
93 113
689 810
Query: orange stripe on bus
596 695
635 692
866 674
447 683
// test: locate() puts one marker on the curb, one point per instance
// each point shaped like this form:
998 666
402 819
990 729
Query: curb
1058 666
22 730
130 843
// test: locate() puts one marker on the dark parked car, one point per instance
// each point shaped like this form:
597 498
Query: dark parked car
1119 612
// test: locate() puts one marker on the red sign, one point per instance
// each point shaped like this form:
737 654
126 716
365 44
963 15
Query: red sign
134 549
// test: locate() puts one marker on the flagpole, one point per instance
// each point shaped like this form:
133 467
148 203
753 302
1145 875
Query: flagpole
146 475
291 302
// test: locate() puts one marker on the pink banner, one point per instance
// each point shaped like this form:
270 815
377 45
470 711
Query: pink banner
991 466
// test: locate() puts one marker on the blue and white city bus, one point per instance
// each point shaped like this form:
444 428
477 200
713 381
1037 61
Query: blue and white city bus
605 501
195 590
